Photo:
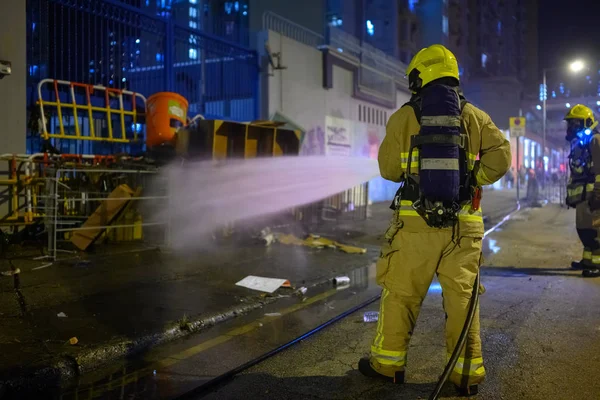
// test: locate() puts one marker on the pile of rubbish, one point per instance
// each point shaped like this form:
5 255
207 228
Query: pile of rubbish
313 241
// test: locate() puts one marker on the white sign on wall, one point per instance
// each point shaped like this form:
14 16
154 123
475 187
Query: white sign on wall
338 136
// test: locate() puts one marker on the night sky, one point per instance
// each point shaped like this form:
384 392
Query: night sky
568 30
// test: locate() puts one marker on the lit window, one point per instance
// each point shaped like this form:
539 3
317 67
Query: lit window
526 147
193 1
193 24
137 41
228 7
499 27
370 28
538 107
484 59
159 57
568 105
193 12
236 6
445 25
193 53
245 13
553 94
412 4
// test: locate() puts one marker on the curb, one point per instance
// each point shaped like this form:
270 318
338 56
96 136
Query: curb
61 370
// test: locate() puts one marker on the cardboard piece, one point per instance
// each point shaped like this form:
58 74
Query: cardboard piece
104 215
259 283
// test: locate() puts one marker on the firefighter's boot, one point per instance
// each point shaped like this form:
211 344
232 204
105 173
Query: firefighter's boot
468 391
591 273
379 371
577 265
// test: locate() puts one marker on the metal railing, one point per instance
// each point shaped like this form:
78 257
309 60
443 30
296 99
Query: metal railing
351 204
292 30
87 205
76 109
112 44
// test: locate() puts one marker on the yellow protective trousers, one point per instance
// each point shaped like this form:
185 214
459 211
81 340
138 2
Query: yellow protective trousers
588 234
405 270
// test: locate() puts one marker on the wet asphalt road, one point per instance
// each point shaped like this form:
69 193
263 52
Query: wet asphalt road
540 331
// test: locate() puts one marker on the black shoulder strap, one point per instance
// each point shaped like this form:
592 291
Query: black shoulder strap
415 104
416 108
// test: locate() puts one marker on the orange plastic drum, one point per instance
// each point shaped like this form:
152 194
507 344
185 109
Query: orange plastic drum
165 113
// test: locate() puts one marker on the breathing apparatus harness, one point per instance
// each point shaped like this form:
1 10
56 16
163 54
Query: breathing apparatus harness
579 135
439 205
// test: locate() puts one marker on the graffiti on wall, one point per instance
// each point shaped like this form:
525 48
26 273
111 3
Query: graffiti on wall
313 143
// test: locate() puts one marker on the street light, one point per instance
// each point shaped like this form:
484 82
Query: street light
575 66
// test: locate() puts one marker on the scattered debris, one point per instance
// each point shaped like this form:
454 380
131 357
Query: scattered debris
302 290
371 316
268 285
267 236
42 266
274 314
260 324
341 280
317 242
61 315
73 341
11 272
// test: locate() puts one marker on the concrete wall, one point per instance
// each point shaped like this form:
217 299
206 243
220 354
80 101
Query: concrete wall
297 92
13 45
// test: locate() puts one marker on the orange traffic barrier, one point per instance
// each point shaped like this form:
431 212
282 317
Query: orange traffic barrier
165 113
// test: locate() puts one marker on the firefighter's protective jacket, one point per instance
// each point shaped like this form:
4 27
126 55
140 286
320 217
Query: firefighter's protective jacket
486 142
584 183
584 163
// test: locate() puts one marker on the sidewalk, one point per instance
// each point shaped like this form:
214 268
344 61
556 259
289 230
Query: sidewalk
120 304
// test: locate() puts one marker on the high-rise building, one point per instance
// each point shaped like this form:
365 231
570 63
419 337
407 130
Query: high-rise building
371 21
495 38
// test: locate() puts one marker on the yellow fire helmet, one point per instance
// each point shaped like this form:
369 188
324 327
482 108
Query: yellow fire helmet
581 112
429 64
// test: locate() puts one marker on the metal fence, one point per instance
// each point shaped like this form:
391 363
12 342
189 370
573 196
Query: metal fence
84 206
285 27
350 205
138 46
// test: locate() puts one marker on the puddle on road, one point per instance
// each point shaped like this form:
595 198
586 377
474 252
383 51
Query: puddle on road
157 373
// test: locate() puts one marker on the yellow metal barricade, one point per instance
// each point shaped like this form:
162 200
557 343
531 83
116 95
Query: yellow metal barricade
96 118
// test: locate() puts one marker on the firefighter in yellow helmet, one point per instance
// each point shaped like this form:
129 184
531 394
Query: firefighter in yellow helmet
583 190
415 248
